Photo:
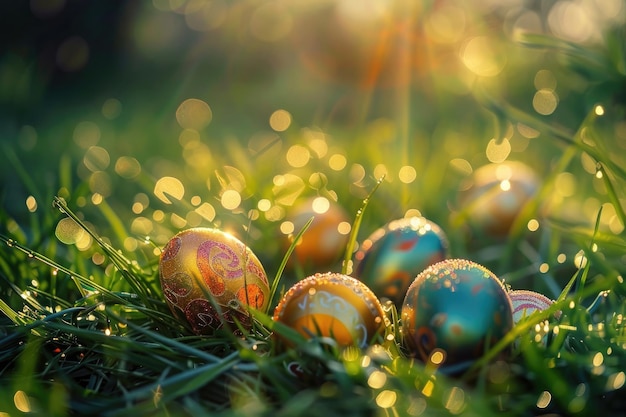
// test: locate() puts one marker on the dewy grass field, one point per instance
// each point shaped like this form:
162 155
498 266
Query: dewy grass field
125 124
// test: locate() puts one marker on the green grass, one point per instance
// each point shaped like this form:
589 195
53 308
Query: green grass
86 331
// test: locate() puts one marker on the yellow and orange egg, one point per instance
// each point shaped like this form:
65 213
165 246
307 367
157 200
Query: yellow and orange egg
210 278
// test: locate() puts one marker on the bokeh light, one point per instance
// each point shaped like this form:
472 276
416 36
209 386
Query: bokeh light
193 114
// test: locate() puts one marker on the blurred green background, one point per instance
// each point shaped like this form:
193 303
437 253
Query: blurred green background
237 110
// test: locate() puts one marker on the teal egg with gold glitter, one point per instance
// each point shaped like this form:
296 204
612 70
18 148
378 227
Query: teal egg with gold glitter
453 312
391 257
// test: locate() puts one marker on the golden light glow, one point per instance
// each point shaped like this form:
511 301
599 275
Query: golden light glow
599 110
545 101
22 402
461 165
68 231
598 359
96 198
287 227
572 21
178 221
498 152
386 399
377 380
446 24
545 80
456 400
275 213
188 137
96 159
264 204
127 167
344 228
317 142
580 260
544 399
193 114
100 183
481 56
298 156
437 357
337 162
31 204
407 174
141 226
167 187
565 184
231 199
527 132
320 205
207 211
429 386
318 180
616 381
130 244
357 173
380 171
280 120
287 188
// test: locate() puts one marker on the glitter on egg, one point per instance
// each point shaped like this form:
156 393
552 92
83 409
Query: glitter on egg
209 278
333 305
393 255
458 307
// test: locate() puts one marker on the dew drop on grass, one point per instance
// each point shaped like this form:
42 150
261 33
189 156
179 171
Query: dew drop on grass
68 231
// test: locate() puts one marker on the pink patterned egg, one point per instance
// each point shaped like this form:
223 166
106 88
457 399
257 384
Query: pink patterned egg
210 278
527 302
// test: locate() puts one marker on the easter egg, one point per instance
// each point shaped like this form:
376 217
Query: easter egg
324 241
390 259
494 195
332 305
457 309
526 302
209 279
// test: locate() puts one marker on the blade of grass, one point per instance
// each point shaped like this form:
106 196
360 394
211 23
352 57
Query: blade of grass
178 385
10 313
85 285
122 264
613 197
284 261
559 133
587 265
356 226
166 341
